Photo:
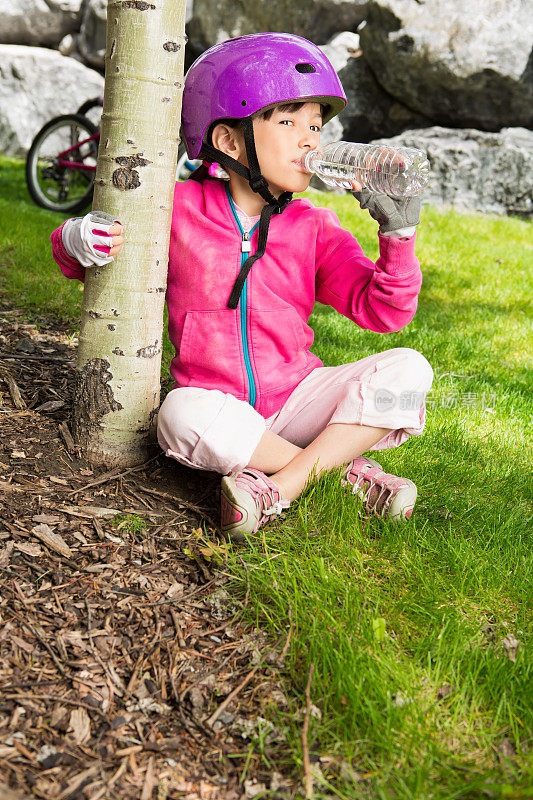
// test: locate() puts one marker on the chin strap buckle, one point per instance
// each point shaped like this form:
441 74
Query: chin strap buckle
258 184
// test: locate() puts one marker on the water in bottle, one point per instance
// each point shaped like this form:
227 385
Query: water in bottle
396 171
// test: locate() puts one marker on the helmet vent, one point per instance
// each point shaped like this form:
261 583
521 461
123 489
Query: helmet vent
305 68
243 102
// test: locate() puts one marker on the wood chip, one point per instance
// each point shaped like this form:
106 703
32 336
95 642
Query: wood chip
50 519
33 550
5 554
61 481
52 540
100 511
9 487
148 780
79 726
9 794
67 437
77 781
51 405
14 390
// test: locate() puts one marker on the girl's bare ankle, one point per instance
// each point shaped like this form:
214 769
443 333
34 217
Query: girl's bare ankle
281 487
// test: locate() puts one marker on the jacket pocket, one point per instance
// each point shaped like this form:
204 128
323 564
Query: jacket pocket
210 351
279 341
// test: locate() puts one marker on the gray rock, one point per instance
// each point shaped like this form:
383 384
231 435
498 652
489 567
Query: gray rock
371 111
37 84
467 65
37 22
213 21
341 48
91 40
476 171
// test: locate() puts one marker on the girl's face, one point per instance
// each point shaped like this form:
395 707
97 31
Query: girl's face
282 140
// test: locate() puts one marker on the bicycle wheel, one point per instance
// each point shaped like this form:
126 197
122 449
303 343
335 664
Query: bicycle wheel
94 102
92 109
61 164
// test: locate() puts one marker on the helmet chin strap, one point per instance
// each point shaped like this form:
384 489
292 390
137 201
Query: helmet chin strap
258 184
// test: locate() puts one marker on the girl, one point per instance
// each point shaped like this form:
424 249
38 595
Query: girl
246 265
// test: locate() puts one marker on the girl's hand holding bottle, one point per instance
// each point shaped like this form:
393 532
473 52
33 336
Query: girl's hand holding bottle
94 240
397 216
404 173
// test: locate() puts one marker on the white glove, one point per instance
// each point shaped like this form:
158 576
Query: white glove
88 239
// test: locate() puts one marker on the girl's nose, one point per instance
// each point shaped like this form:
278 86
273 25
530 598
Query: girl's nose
308 140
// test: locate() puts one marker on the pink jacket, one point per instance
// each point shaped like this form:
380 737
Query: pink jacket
259 352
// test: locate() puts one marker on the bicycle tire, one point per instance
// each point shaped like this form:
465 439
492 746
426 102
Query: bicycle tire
93 102
32 178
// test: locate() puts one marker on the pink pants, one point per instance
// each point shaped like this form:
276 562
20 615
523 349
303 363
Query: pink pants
208 429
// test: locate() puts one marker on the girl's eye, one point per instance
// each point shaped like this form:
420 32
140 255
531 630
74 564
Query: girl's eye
286 122
316 128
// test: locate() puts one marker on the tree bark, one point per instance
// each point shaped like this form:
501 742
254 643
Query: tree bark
120 342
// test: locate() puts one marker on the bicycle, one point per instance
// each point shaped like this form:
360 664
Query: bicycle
61 162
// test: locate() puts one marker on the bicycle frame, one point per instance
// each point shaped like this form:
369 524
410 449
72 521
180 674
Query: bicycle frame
77 164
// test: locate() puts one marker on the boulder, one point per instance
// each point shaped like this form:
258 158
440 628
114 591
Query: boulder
461 65
342 48
370 111
37 84
38 22
91 40
474 170
213 21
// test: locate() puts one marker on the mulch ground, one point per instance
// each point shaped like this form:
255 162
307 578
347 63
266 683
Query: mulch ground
126 667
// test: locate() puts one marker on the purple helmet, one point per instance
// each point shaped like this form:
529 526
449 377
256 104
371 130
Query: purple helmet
238 77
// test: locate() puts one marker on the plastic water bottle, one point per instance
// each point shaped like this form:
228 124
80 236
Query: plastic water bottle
396 171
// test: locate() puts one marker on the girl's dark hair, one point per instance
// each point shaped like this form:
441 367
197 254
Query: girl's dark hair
290 108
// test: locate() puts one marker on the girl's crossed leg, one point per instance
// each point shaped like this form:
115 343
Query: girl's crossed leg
332 417
289 466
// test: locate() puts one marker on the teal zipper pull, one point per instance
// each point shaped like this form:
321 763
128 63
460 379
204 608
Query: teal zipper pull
246 244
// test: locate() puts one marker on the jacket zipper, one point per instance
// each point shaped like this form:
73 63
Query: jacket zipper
246 247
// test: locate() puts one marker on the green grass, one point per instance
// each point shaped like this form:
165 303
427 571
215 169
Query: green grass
404 624
29 275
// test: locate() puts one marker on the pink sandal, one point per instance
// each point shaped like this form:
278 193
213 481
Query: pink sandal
248 500
383 494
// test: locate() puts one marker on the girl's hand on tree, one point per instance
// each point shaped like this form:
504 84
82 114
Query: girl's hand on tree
94 240
117 240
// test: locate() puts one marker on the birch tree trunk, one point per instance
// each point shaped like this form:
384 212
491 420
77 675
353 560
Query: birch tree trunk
120 343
